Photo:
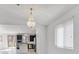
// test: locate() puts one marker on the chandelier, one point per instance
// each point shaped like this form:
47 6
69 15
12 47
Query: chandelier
31 21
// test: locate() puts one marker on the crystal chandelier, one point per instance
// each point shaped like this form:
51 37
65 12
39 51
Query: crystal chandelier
31 21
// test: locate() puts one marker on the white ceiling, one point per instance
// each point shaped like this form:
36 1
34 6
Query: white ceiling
43 14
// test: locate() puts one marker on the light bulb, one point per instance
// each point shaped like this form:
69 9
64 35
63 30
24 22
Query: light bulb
31 24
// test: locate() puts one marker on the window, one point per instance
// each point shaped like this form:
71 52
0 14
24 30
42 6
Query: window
1 42
64 35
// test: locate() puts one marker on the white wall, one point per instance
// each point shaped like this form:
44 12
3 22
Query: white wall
41 39
11 29
51 34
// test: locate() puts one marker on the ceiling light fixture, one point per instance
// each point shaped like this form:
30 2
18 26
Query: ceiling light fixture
31 21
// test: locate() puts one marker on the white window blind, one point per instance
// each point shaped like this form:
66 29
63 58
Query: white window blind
60 36
64 35
3 42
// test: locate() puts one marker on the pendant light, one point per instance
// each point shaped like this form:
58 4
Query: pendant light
31 21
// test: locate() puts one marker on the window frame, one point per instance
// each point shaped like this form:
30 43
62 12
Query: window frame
63 25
